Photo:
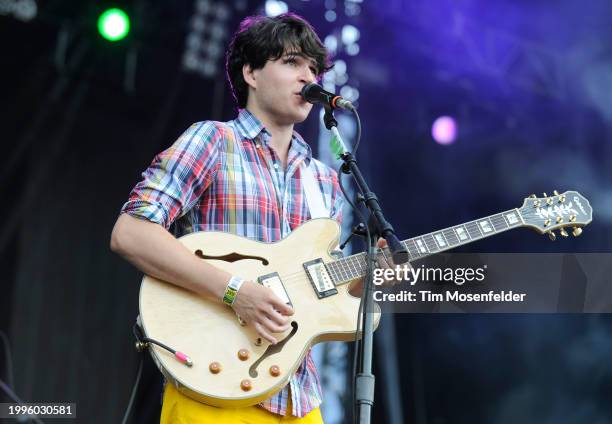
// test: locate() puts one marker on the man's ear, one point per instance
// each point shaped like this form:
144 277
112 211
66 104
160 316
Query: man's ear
248 74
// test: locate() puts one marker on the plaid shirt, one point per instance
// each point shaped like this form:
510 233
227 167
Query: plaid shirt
224 176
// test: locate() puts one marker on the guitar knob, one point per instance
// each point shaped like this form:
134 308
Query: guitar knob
246 385
275 371
552 236
577 231
563 233
214 367
243 354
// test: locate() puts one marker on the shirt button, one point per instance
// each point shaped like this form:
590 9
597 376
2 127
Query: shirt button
276 166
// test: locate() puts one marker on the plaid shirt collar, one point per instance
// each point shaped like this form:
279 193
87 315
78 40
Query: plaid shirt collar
249 127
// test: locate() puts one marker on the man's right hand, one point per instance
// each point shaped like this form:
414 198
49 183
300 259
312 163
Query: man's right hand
261 309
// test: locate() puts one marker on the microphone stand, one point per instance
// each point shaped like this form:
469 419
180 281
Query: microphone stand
379 227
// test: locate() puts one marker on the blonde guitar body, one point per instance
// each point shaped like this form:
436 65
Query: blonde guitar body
231 367
210 332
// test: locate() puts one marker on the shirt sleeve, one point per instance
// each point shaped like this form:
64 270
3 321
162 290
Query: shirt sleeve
178 176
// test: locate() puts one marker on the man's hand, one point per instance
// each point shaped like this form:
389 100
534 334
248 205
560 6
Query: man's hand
261 309
384 262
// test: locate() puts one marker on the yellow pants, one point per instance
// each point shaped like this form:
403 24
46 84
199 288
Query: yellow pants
179 409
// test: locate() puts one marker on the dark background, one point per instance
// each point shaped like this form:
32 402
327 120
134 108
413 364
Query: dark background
528 82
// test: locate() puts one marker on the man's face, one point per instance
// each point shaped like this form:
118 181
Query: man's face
278 87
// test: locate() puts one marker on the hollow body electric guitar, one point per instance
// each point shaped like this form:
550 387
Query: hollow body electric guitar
224 363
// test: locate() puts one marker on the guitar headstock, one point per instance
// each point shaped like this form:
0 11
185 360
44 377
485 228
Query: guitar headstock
548 213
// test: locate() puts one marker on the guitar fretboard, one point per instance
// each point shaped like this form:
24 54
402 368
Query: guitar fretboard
354 266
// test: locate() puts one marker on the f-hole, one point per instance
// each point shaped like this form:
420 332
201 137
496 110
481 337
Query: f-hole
231 257
272 349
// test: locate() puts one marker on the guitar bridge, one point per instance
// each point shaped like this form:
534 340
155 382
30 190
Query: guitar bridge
319 278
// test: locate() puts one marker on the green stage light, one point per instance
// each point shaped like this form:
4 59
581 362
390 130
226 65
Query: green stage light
113 24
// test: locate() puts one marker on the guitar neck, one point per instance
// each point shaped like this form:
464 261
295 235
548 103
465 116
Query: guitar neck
354 266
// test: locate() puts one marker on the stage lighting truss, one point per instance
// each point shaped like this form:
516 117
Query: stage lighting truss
22 10
207 37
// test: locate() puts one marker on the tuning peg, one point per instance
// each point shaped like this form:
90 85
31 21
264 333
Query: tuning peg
577 231
545 195
555 193
563 233
562 198
552 235
532 196
549 201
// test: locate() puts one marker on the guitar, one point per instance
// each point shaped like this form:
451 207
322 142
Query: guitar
229 365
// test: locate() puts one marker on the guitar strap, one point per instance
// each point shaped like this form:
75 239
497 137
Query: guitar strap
314 196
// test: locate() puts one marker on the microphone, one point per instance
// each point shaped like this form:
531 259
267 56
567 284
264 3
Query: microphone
314 93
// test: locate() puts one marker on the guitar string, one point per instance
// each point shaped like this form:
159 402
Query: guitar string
346 266
353 261
348 262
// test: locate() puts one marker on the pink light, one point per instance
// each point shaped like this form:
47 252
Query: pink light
444 130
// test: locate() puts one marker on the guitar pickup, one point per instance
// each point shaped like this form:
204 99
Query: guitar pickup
274 282
320 278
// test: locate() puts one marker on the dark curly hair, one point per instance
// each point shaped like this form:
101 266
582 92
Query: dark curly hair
262 38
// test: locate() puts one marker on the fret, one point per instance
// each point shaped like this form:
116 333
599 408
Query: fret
462 233
412 250
512 218
354 271
340 269
345 269
473 230
451 237
486 226
440 240
431 244
331 266
362 265
331 271
505 220
421 246
498 222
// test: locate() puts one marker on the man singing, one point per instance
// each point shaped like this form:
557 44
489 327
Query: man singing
246 177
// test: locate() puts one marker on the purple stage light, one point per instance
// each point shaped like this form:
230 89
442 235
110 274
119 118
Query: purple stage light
444 130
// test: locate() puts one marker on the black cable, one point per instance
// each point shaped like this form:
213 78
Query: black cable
134 390
358 131
16 399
